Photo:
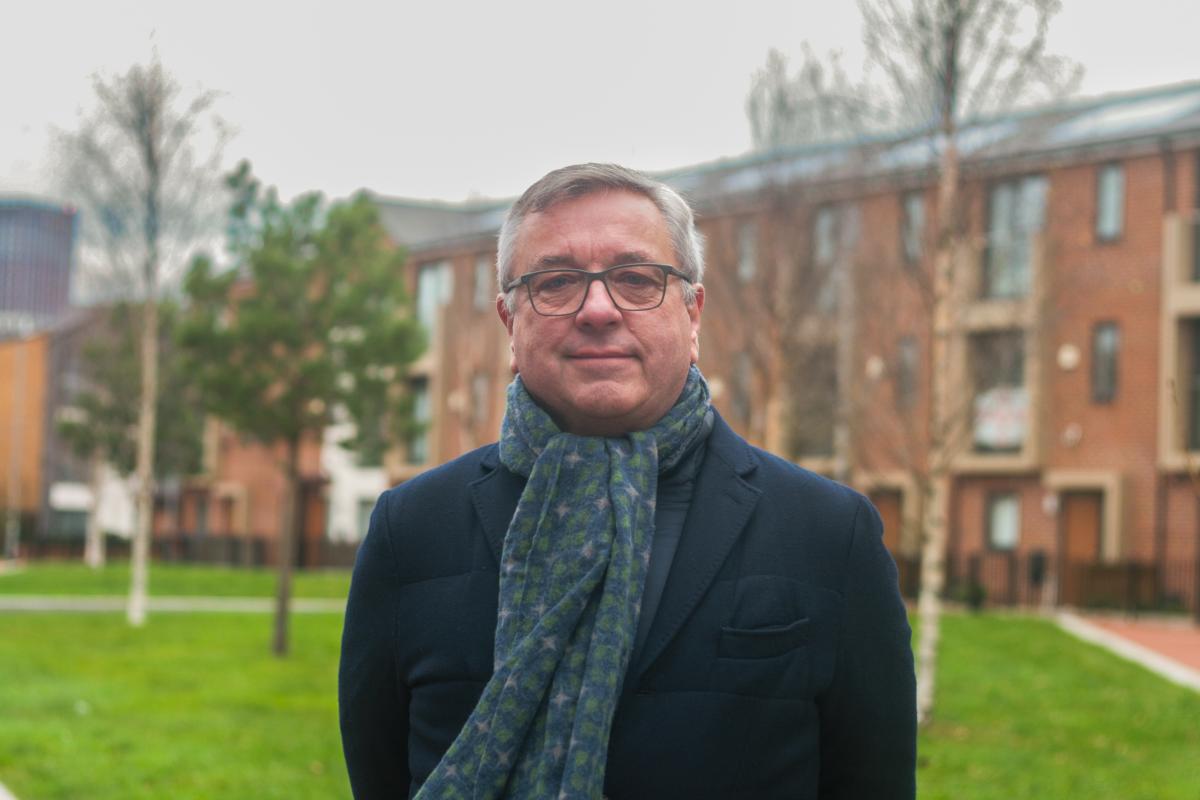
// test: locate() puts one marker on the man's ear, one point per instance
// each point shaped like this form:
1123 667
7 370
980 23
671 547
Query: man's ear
694 314
505 315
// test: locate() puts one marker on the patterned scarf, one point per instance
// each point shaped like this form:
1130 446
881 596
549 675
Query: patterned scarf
571 579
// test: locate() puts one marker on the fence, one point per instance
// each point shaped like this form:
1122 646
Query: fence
1039 579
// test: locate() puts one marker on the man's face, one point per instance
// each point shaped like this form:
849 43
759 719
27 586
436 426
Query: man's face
603 371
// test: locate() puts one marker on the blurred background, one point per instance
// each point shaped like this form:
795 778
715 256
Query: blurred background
247 282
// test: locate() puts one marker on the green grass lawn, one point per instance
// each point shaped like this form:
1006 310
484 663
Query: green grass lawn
170 579
192 706
1024 710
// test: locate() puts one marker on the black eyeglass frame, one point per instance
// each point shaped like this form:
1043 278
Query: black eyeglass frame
601 276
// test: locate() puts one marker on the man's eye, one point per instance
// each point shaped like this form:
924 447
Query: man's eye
555 283
636 280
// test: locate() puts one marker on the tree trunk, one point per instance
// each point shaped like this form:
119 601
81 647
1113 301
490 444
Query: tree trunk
136 609
941 444
287 539
93 548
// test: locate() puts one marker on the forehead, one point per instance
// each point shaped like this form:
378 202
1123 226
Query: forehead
597 230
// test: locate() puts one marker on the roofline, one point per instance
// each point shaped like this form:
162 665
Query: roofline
20 200
1075 105
458 206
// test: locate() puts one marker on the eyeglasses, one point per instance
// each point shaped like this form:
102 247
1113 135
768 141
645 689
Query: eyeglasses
631 287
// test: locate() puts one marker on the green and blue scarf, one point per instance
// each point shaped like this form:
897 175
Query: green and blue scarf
572 572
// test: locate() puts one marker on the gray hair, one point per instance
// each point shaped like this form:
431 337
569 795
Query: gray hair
582 179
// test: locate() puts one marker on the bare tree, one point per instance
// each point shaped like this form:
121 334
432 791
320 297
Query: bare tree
951 61
817 103
933 66
132 167
783 277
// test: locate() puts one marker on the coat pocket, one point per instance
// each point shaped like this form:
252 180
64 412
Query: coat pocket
762 642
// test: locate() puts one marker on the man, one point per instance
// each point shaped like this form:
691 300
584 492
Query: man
622 597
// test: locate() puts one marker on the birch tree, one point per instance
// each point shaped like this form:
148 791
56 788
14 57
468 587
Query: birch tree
99 422
133 168
932 66
952 61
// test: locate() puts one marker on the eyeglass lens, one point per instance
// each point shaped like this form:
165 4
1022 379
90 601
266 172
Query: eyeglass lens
633 288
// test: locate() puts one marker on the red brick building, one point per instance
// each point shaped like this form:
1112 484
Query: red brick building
1075 337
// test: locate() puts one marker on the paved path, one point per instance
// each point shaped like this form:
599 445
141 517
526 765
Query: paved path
109 603
1170 648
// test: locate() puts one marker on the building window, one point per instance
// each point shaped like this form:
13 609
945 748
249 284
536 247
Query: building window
365 506
1193 385
1196 222
418 440
740 399
435 285
372 442
912 227
480 405
1016 215
825 257
825 237
747 251
485 283
1110 202
1106 343
906 372
1001 405
1003 521
814 392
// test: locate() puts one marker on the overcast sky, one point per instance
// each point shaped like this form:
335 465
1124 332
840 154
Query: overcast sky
448 100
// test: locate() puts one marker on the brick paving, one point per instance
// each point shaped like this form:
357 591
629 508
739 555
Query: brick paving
1167 647
1177 640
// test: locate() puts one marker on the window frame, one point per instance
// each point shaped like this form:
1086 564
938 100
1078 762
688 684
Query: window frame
1105 236
485 281
1019 188
747 250
989 532
1105 395
907 234
907 370
416 446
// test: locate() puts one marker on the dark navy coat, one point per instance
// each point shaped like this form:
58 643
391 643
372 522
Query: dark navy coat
778 664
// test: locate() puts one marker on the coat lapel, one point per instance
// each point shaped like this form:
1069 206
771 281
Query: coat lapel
495 496
722 502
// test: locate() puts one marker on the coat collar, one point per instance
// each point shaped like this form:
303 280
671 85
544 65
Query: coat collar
722 502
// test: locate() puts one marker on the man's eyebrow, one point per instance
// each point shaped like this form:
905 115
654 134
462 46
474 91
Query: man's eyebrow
569 262
631 257
551 262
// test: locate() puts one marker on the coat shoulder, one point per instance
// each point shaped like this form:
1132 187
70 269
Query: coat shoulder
453 476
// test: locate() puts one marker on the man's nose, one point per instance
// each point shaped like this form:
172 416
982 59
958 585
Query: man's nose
598 307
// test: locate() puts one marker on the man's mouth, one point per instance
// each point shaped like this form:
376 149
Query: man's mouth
599 355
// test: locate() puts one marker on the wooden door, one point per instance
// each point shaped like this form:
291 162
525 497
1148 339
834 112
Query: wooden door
1082 516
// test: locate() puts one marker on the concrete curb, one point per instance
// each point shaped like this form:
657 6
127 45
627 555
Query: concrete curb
111 603
1131 651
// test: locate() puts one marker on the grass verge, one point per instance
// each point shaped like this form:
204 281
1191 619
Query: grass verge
66 578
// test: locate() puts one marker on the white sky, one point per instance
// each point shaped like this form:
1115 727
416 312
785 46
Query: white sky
448 100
